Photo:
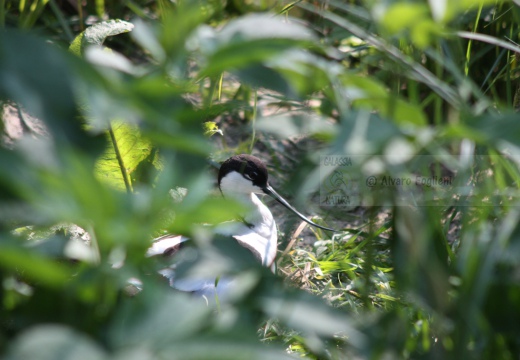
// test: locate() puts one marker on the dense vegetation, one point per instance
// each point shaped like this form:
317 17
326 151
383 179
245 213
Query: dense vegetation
112 109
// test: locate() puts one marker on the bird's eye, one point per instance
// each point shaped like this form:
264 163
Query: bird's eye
248 177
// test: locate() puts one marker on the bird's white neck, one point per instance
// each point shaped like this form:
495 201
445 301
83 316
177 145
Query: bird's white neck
256 229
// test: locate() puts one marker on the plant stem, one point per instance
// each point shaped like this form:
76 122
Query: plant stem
255 97
80 15
220 81
61 19
124 173
468 50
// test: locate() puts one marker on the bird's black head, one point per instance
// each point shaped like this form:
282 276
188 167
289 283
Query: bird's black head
253 179
250 167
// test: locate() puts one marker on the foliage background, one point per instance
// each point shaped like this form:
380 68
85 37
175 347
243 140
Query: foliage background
112 122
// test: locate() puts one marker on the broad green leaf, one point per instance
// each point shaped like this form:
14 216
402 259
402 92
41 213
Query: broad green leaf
456 8
126 150
400 111
414 18
250 40
312 316
165 317
401 16
223 348
369 94
96 34
289 126
296 67
255 27
360 86
240 55
107 58
33 266
54 342
250 6
28 82
145 36
498 127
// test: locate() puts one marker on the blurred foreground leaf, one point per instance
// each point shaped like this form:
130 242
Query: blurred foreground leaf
33 267
54 342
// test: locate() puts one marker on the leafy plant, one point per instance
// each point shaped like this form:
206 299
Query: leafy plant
403 89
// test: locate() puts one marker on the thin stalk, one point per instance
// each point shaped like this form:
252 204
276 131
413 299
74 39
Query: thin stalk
219 92
286 8
437 104
490 72
253 120
509 93
34 11
61 19
94 245
136 9
100 8
80 15
124 173
470 42
368 263
217 300
212 86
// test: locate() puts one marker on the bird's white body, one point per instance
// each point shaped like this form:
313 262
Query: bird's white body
241 178
257 232
258 228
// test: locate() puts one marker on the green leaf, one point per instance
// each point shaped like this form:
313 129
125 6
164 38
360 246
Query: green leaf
126 150
223 348
312 316
401 16
26 82
54 342
252 39
96 34
455 8
288 126
33 266
494 128
256 27
370 95
211 128
400 111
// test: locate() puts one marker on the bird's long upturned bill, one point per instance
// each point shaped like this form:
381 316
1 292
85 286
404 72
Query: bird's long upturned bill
271 192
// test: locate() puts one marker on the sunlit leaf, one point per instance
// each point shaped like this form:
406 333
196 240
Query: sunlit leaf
127 149
455 8
401 15
96 34
211 128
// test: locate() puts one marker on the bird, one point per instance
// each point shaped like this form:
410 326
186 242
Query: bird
242 178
